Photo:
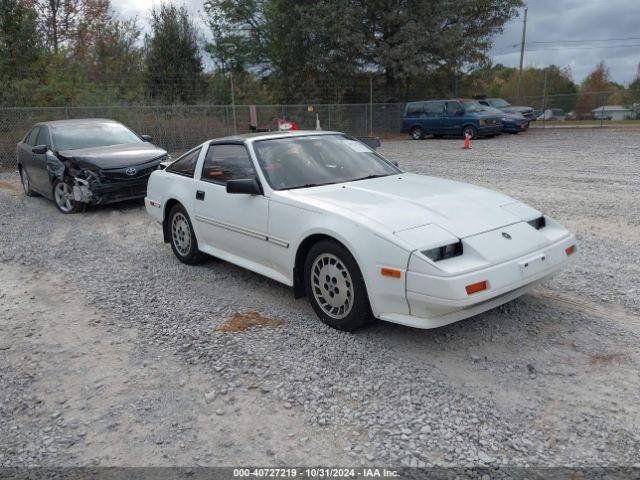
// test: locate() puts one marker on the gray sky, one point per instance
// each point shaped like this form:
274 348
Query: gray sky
573 27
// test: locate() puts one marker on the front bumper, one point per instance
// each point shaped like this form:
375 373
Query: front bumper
104 193
435 301
490 130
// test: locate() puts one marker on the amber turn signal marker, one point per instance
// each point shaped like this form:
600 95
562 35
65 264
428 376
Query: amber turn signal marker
570 250
476 287
390 272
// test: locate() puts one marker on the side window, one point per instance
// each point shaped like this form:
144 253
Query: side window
30 139
227 162
186 164
453 109
415 109
43 137
434 109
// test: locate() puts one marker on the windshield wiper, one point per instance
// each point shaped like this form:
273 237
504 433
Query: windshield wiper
309 185
378 175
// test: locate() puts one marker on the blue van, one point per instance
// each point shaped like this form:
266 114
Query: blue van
457 117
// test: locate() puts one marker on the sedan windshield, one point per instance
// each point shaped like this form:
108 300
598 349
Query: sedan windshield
499 103
91 135
310 161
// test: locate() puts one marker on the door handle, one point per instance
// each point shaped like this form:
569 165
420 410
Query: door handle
199 195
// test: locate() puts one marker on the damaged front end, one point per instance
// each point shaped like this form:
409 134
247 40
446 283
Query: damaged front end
95 186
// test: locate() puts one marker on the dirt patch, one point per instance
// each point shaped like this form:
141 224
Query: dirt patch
9 186
240 322
610 357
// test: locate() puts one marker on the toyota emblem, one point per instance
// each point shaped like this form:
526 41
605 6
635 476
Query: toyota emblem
130 171
506 235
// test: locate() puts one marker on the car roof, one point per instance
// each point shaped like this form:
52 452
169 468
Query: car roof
75 121
249 137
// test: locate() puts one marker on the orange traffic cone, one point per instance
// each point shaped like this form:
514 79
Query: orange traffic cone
467 143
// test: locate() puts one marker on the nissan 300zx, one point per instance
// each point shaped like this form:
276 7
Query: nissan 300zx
330 217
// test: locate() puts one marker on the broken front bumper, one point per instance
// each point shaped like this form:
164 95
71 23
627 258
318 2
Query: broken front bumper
97 193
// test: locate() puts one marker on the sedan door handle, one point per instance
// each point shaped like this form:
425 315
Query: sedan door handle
199 195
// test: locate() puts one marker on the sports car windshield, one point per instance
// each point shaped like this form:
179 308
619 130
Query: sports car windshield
314 160
91 135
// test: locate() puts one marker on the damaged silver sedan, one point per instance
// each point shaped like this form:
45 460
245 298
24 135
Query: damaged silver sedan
86 162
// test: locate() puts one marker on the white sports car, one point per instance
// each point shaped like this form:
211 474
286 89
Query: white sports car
324 213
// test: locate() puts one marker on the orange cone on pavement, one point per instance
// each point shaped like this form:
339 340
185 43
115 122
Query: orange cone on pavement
467 143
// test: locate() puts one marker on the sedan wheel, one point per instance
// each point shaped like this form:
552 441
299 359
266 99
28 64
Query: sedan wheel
335 286
63 196
26 184
182 236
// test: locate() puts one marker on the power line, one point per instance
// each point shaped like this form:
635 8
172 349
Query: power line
587 40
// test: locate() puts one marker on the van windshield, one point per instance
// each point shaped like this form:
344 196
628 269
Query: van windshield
472 106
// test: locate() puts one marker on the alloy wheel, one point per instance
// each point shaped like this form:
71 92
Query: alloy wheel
332 285
181 233
64 197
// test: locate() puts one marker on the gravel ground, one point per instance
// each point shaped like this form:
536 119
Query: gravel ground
110 352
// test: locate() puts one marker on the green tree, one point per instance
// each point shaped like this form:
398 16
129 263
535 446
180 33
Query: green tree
595 89
310 49
20 43
173 64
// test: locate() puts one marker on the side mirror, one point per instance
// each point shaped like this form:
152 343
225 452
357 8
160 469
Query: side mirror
146 138
249 186
39 149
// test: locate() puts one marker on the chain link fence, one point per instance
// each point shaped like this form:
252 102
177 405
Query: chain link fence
178 128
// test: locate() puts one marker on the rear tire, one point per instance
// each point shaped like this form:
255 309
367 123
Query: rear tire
335 287
417 133
26 184
63 198
182 236
471 130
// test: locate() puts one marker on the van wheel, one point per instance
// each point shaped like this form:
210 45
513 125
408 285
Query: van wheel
471 131
417 133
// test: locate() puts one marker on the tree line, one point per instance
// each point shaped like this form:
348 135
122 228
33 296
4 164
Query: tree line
82 53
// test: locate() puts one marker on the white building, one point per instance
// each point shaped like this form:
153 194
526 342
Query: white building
613 112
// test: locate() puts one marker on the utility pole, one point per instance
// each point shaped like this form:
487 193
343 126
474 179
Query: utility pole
524 35
371 106
233 100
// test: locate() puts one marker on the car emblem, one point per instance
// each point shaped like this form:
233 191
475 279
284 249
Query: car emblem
506 235
130 171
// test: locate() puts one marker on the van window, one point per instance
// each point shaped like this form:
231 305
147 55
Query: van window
434 109
454 109
415 109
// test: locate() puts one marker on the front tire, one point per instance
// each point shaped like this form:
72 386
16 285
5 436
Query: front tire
63 198
417 133
183 238
471 131
335 287
26 184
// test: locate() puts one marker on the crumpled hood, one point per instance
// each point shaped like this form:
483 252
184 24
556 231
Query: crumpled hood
405 201
114 156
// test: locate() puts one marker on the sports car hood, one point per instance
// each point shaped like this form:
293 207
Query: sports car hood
405 201
114 156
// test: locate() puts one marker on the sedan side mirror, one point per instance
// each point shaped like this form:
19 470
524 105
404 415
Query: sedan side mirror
249 186
39 149
146 138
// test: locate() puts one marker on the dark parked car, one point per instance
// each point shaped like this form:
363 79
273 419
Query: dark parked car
449 117
511 122
86 161
502 104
